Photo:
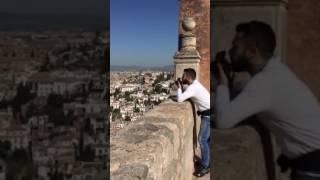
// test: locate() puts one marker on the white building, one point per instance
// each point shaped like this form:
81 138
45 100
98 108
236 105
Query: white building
128 88
17 135
115 105
44 84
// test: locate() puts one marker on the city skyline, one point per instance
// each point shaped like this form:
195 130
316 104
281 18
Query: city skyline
144 33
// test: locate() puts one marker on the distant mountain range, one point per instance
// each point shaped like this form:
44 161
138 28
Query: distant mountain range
34 22
142 68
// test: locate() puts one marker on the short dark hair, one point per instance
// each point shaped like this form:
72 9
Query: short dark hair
261 34
191 73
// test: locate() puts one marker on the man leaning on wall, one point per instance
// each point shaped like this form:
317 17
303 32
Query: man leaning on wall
282 102
200 96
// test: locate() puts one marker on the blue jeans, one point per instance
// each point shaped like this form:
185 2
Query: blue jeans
304 176
204 141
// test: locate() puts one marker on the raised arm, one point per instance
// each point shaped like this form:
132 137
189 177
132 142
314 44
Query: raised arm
188 93
253 99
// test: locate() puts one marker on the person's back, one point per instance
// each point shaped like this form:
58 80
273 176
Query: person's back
293 113
201 95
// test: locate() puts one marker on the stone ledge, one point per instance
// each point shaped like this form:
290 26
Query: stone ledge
159 146
239 153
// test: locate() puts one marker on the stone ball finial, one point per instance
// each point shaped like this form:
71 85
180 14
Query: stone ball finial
188 23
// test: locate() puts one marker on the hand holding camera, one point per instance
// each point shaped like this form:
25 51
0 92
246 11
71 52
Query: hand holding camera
178 83
222 68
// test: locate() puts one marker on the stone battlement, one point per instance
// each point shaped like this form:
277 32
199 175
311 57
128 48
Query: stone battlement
245 153
159 146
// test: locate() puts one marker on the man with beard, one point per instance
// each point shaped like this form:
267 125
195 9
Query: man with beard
281 101
201 98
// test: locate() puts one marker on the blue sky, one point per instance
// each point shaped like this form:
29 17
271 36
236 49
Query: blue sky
143 32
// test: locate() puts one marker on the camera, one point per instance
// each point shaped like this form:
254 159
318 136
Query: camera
221 59
179 82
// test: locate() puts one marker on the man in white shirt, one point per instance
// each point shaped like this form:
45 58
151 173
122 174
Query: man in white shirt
201 98
283 103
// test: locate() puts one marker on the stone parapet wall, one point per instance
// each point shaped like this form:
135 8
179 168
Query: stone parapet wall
241 153
160 147
157 147
237 154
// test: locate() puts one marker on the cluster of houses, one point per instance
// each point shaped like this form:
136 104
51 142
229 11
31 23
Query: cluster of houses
76 150
135 94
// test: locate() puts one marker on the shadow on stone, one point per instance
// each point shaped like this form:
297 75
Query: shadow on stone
267 146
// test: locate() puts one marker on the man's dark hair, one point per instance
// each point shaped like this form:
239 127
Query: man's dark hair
261 35
190 73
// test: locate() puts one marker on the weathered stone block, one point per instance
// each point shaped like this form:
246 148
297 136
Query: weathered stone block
159 146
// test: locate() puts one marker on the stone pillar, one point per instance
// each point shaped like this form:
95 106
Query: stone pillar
187 56
199 10
304 41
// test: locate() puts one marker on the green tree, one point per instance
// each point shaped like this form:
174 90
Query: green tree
31 110
5 147
136 110
161 77
158 79
158 89
147 102
23 96
127 118
127 96
19 165
55 112
117 92
157 102
169 76
116 114
88 154
88 128
55 100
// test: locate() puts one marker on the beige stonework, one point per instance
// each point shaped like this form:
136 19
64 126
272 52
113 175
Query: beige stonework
157 147
183 62
200 11
239 154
